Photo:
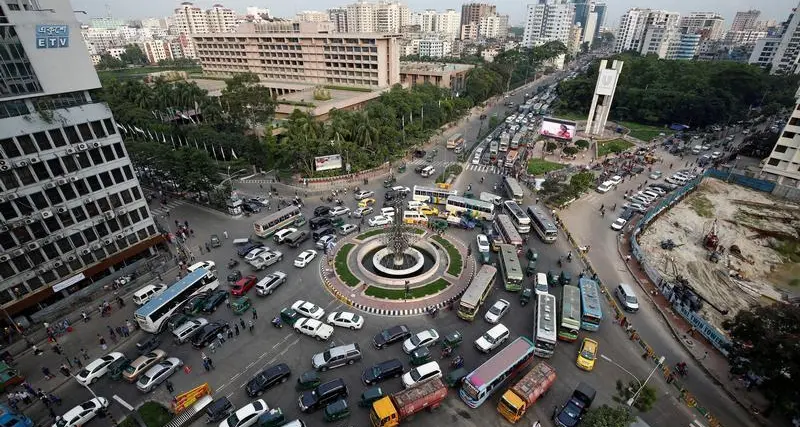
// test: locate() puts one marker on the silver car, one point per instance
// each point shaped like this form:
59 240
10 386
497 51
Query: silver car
157 374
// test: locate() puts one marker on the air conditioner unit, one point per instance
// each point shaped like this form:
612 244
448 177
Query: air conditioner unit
33 246
5 168
107 242
21 164
41 270
33 160
82 147
95 144
17 224
11 196
120 236
3 162
88 200
61 210
57 264
86 252
4 258
108 214
96 246
50 185
70 151
47 240
56 236
18 252
71 257
2 199
62 181
73 178
46 214
3 228
29 220
122 211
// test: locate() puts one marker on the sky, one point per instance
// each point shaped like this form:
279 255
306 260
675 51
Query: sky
137 9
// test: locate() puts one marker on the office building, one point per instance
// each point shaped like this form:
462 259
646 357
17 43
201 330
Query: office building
106 22
710 25
647 31
445 23
736 38
591 16
686 47
745 20
589 29
425 19
548 20
783 163
451 76
72 212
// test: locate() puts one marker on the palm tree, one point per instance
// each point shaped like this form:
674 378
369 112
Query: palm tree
365 134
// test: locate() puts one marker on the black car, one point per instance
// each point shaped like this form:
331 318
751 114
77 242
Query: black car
251 207
214 300
234 276
390 195
419 154
322 211
390 336
391 368
267 379
321 396
208 333
627 214
244 249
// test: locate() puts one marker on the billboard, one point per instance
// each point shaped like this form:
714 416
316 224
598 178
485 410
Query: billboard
557 128
324 163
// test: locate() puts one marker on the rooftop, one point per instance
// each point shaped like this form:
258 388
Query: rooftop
433 67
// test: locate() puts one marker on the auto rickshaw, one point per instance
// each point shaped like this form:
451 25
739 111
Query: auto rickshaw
300 221
452 340
453 379
552 277
272 418
289 316
485 257
370 395
307 380
336 411
241 305
531 269
531 255
401 168
389 182
420 356
565 278
525 296
337 222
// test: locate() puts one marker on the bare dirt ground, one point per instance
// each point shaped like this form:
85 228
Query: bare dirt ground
765 231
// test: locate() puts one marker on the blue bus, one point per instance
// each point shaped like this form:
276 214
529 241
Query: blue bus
12 418
489 377
152 317
591 311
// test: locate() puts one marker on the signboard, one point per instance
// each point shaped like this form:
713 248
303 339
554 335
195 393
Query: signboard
52 36
185 400
69 282
324 163
557 128
606 82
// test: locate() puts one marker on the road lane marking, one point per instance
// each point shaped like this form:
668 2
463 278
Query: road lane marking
122 402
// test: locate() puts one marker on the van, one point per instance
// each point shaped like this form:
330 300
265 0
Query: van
296 239
414 217
142 296
184 332
388 212
208 265
337 356
326 231
627 297
319 222
427 171
541 284
415 205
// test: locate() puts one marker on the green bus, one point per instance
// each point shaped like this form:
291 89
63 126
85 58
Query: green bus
510 268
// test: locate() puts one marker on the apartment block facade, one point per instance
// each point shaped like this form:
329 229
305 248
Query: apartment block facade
745 20
648 31
548 20
783 163
709 25
781 52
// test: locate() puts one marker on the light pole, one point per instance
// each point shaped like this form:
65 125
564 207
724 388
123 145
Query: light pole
635 395
607 359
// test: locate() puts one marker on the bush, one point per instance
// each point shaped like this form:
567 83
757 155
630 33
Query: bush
455 265
153 414
582 144
418 292
370 233
571 151
550 146
342 269
454 169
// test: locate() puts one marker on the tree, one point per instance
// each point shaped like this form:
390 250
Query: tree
550 146
246 101
133 55
644 400
581 181
607 416
765 344
108 62
570 151
582 144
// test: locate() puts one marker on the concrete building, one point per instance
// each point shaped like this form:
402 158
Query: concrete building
469 31
360 17
338 16
591 16
451 76
548 20
363 17
575 39
312 16
72 213
744 37
590 27
709 25
448 23
432 47
473 12
687 47
190 19
425 19
781 52
783 163
745 20
220 19
106 22
647 31
764 51
493 27
157 50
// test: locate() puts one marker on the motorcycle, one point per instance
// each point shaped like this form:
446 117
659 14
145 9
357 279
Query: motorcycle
276 322
457 362
233 263
433 311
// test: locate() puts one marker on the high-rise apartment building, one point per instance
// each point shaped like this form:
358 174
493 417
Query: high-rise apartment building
338 16
361 17
312 16
388 17
157 50
648 31
448 23
783 163
710 25
72 212
493 27
220 19
548 20
425 19
781 52
473 12
591 16
745 20
190 19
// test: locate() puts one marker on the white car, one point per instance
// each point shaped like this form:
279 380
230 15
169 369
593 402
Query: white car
655 175
305 258
421 373
345 319
362 212
379 220
82 413
604 187
716 155
339 211
158 373
401 189
497 310
364 194
247 415
635 207
619 224
313 328
483 243
424 338
262 201
346 229
616 179
281 234
308 309
93 371
492 339
255 253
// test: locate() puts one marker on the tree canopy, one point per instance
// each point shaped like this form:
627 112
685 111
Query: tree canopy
694 93
608 416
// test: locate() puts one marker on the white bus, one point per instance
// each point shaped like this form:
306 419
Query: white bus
476 292
511 158
545 333
152 317
432 195
268 225
513 189
506 230
543 224
518 217
458 205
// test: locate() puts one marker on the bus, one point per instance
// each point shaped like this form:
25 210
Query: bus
268 225
591 311
506 230
517 139
476 293
510 268
458 205
10 417
479 384
544 332
570 321
513 189
518 217
543 224
511 158
152 317
454 140
432 195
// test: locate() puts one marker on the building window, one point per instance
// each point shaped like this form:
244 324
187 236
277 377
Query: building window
94 183
25 175
781 148
26 143
50 251
77 240
9 148
787 134
41 171
54 196
55 167
773 162
72 135
58 137
108 154
97 128
39 200
70 164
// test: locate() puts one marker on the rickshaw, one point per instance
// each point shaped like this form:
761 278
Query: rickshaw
300 221
307 381
452 340
525 296
336 411
241 305
370 395
453 379
531 255
530 270
565 278
272 418
552 277
289 316
420 356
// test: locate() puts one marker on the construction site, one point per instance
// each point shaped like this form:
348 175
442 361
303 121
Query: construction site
725 248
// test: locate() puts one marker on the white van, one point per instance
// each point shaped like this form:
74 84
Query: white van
415 205
414 217
142 296
388 212
541 284
427 171
208 265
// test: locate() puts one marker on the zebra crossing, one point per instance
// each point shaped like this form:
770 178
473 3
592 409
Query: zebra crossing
484 168
441 164
158 209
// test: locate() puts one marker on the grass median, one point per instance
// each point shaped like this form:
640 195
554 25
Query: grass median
613 146
342 270
456 263
640 131
396 294
541 166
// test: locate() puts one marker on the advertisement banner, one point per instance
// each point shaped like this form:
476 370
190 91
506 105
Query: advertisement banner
557 128
324 163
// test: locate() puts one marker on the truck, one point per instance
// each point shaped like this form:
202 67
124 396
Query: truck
392 410
522 395
571 413
455 140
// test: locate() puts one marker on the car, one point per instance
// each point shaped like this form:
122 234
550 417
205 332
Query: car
214 241
308 309
265 259
251 207
401 189
362 212
142 363
492 338
428 210
322 211
382 371
655 175
425 338
97 368
745 131
346 319
379 220
247 415
419 168
483 243
658 190
158 373
363 194
244 284
705 147
390 336
616 179
214 299
605 187
270 282
313 328
83 413
339 211
324 241
627 214
268 378
261 201
636 207
716 155
618 224
280 235
346 229
497 311
421 374
419 154
322 395
587 354
246 248
365 203
208 333
305 258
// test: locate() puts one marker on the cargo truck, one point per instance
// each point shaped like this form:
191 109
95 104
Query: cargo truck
392 410
522 395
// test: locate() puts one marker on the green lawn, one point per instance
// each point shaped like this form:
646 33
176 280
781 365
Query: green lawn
153 414
420 291
540 166
371 233
613 146
342 270
643 132
456 263
135 71
572 115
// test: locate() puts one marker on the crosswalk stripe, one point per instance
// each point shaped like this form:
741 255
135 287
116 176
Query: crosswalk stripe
161 210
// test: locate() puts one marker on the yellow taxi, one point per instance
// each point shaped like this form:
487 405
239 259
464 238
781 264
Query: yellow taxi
427 210
363 203
587 354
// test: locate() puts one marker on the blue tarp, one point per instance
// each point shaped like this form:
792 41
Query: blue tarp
678 127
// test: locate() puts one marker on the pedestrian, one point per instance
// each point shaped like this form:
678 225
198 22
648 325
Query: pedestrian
627 258
225 234
191 230
64 370
221 338
206 366
77 362
130 325
186 223
46 372
53 413
125 331
236 329
69 361
227 301
85 354
119 331
212 347
208 248
169 386
250 325
210 362
103 344
705 355
241 322
255 314
201 249
230 333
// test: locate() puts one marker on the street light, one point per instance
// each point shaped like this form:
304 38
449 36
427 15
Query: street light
635 395
607 359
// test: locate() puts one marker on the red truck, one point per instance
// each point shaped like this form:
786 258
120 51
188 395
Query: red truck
392 410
